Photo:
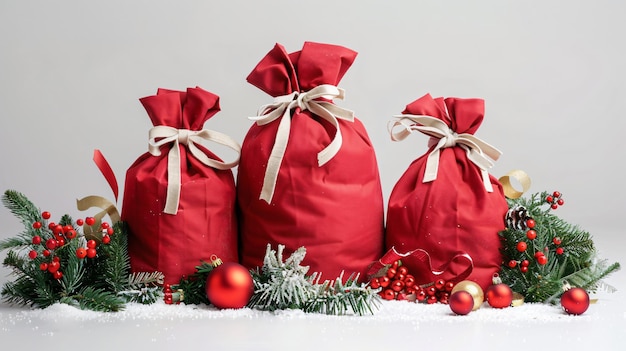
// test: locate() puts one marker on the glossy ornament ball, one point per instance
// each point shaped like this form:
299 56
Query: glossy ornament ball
474 289
461 302
575 301
229 285
499 296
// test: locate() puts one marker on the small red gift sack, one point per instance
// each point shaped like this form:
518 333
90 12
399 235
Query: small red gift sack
308 174
179 198
446 205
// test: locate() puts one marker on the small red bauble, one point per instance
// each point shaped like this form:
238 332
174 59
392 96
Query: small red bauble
499 295
391 272
45 215
575 301
80 222
229 285
556 194
560 202
386 294
374 283
461 302
522 246
384 281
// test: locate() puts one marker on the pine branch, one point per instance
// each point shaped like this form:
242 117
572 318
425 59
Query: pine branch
194 285
21 207
94 299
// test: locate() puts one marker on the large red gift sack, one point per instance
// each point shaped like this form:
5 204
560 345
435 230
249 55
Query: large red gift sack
446 205
308 174
179 198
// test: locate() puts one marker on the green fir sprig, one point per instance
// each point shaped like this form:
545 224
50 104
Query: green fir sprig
285 285
542 251
101 283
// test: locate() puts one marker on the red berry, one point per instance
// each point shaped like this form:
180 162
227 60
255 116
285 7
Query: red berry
384 281
45 215
549 199
395 264
46 253
53 266
106 239
81 252
90 221
91 244
80 222
391 272
538 253
409 281
554 206
388 294
67 228
71 234
530 223
512 263
91 253
36 240
58 229
524 269
60 242
32 254
56 259
401 296
449 286
432 299
556 194
110 231
43 266
525 263
439 284
560 202
431 290
556 240
522 246
531 234
104 225
51 244
51 225
542 260
559 250
57 274
420 295
397 285
37 225
374 283
402 270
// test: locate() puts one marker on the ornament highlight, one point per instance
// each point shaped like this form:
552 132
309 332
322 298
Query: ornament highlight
474 289
229 285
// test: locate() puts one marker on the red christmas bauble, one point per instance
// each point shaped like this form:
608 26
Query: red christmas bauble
461 302
229 285
575 301
499 296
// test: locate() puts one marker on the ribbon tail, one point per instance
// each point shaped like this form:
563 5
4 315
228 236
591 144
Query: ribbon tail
276 158
173 180
106 170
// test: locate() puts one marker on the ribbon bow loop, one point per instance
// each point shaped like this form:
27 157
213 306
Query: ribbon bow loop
163 135
282 108
442 136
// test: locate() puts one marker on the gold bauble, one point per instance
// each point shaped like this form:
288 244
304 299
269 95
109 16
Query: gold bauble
474 289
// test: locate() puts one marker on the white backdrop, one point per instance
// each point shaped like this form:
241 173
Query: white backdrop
552 74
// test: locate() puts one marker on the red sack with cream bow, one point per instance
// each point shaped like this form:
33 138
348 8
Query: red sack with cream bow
308 174
446 205
179 198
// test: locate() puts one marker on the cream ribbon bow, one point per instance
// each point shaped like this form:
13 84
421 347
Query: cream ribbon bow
478 152
282 107
161 135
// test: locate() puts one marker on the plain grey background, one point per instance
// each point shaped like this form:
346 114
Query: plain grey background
552 74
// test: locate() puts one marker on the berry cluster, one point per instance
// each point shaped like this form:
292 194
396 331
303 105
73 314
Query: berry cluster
398 284
555 200
51 237
541 257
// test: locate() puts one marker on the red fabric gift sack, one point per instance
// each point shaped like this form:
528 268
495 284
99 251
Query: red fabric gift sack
446 205
308 174
179 198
